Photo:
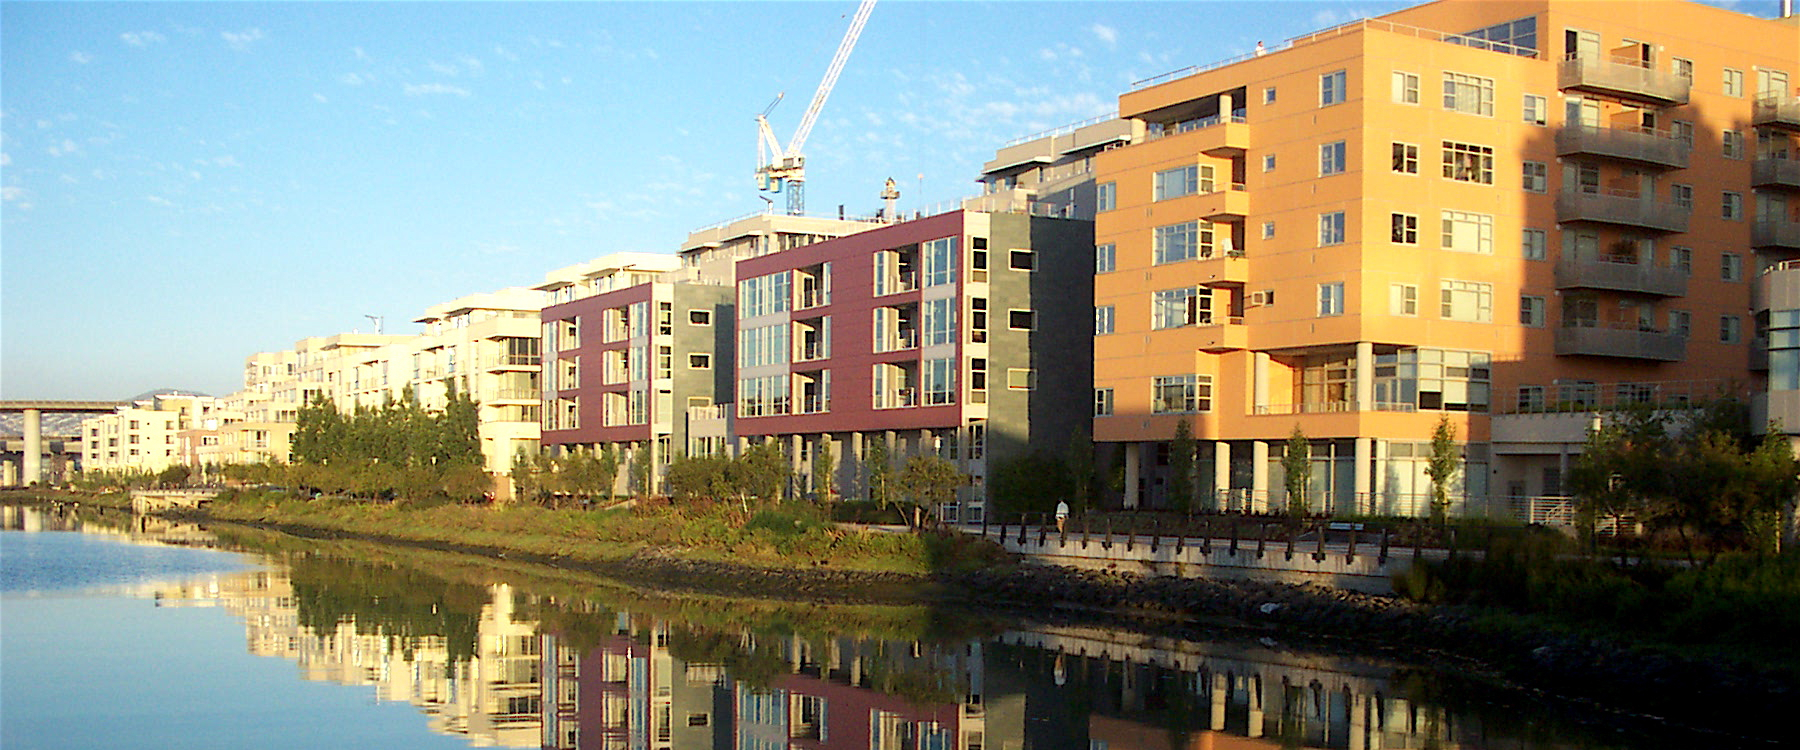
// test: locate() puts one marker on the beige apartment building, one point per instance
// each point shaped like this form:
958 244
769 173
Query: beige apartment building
1481 210
145 436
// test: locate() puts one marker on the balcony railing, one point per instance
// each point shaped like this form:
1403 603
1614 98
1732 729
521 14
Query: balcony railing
1775 233
512 394
1626 77
1623 342
1771 172
1640 145
1776 109
1621 207
1622 276
511 360
708 413
1562 398
1158 130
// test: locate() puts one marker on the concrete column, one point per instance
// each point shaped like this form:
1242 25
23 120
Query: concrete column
858 481
1218 701
34 447
1221 475
1358 704
1132 458
1259 381
1363 474
9 474
1255 686
1259 475
1365 375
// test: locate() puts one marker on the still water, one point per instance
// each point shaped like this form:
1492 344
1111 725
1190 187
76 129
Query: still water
125 633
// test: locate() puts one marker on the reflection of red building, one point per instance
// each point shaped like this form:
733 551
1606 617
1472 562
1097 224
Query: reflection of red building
810 713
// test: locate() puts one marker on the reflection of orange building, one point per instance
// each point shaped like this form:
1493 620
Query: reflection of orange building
1461 209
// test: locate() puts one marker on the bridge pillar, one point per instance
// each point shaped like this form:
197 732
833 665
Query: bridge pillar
9 474
34 447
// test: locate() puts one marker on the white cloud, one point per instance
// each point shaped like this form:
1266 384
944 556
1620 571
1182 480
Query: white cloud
10 193
427 89
159 200
65 148
80 58
320 98
352 79
69 179
5 159
240 40
442 69
360 54
473 64
505 54
141 38
226 161
1106 33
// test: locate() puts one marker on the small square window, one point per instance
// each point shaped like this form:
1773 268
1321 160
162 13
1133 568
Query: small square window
1536 110
699 361
1406 87
1268 230
1269 95
1022 260
1021 320
1268 162
1021 379
1537 177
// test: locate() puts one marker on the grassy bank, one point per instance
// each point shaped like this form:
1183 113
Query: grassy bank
775 537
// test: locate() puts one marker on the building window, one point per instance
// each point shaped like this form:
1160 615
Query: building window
1331 158
1331 229
763 295
1103 319
978 319
1178 242
1469 94
1731 267
1733 83
1403 299
1268 162
940 321
940 261
1682 258
1021 320
1731 329
1103 402
1681 322
1268 230
1733 144
1731 206
1177 182
978 259
1406 87
700 317
1531 311
1406 158
1022 260
1682 67
1536 244
1332 89
1331 299
1683 131
1104 258
1103 196
1466 232
1467 301
1682 195
940 381
1181 394
1405 229
699 361
1467 162
1174 308
1537 177
1537 110
1021 379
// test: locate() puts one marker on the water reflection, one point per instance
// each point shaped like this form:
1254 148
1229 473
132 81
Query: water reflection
503 658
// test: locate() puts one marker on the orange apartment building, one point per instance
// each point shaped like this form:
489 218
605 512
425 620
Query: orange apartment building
1489 210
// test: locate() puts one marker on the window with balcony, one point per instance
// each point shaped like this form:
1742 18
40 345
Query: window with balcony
1332 88
1177 182
1406 158
1467 162
1331 299
1405 229
896 270
896 328
1176 308
813 286
1105 258
1331 228
1179 242
1466 232
1467 301
1406 87
1181 394
1784 350
1682 67
1103 320
1403 299
1682 130
812 339
1468 94
1331 158
568 374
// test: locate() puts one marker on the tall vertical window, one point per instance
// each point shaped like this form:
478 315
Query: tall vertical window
1731 329
1536 177
1332 88
1535 245
1732 144
1103 196
1403 299
1177 182
1733 82
940 321
1331 299
1467 232
1468 301
1467 162
940 381
1103 320
978 319
1537 110
1682 259
1103 402
1331 158
1681 323
1405 229
1406 87
1331 228
1406 158
1731 205
940 261
1731 267
1469 94
1531 311
1104 258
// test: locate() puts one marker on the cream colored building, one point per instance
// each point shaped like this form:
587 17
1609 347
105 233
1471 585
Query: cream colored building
145 436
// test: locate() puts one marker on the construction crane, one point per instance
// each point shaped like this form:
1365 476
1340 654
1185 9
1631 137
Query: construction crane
785 168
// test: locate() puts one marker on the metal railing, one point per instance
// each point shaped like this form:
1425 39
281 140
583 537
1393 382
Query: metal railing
1061 129
1158 130
1563 398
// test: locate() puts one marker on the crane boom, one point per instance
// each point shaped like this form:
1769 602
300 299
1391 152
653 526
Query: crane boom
831 76
777 166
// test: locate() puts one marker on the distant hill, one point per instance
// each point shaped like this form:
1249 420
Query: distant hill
69 425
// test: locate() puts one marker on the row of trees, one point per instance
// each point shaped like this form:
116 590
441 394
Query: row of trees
572 479
397 450
1699 473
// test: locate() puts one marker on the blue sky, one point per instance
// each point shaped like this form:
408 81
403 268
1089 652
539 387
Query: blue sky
186 184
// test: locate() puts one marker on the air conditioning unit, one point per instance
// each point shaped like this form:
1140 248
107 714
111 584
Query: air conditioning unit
1262 298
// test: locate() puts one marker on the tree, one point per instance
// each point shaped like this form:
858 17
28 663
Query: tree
1181 467
762 472
1445 460
700 477
459 428
824 471
1620 466
526 482
931 481
640 470
1080 463
1031 483
878 471
1296 471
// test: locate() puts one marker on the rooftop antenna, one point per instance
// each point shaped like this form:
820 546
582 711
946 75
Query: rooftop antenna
376 319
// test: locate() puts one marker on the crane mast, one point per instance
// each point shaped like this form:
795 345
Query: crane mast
779 168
